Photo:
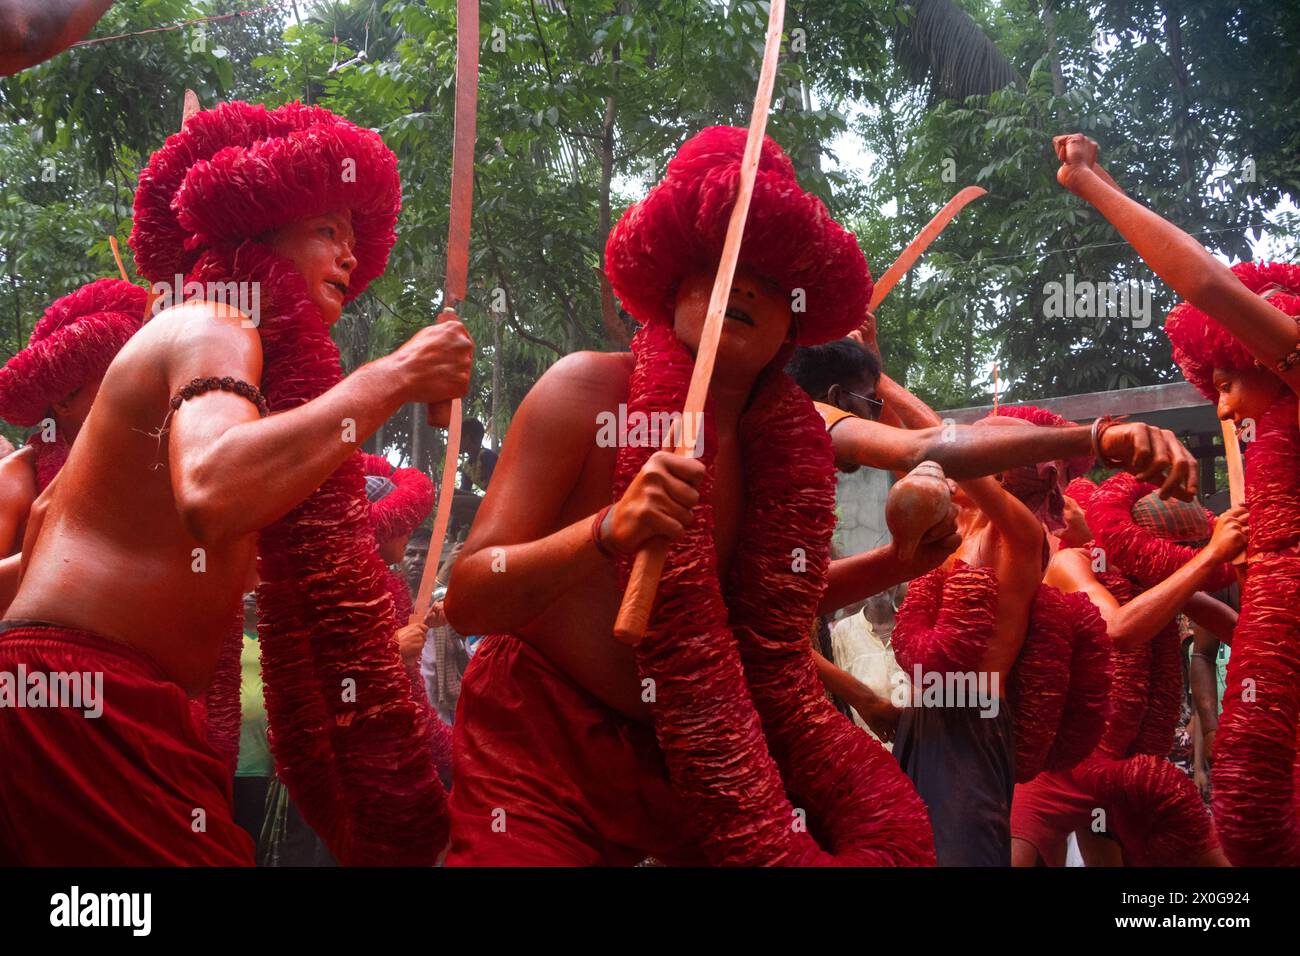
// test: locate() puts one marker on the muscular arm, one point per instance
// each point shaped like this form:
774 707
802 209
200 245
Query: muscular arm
963 452
513 565
1151 454
1212 615
1128 625
32 31
17 492
10 572
233 472
1181 261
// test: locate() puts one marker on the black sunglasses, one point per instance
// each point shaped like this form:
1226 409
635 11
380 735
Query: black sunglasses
875 404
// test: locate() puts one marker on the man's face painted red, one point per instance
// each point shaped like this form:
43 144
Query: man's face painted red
321 250
758 320
1245 393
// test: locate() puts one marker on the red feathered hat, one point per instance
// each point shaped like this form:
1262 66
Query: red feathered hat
238 171
789 237
73 343
402 510
1201 344
1047 419
1081 490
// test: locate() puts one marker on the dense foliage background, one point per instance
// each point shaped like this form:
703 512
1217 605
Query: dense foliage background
887 107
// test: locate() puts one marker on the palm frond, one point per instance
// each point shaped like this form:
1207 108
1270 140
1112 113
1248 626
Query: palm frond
938 44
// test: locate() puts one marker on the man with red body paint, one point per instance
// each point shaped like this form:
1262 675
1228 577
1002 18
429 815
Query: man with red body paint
110 582
555 761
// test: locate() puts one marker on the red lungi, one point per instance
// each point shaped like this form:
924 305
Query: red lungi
1047 809
120 789
546 775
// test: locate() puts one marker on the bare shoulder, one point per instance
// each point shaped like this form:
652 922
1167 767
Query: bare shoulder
555 428
18 474
589 376
1069 569
579 386
199 339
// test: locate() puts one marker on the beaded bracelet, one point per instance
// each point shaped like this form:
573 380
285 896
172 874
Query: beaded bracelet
227 384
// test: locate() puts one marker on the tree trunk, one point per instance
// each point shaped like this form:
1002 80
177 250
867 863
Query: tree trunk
1049 26
498 385
1182 122
419 455
614 328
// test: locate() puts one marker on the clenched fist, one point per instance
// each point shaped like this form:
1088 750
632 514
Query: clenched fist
657 504
1231 530
434 366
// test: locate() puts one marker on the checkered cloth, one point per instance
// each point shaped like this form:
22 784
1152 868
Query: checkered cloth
1182 521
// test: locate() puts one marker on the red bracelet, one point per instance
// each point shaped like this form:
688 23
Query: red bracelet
595 533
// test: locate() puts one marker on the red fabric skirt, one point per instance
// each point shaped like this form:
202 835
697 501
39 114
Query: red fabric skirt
1047 809
546 775
137 785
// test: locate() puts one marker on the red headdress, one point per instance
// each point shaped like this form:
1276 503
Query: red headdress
360 766
789 237
73 343
238 171
1201 344
1038 486
1081 490
403 509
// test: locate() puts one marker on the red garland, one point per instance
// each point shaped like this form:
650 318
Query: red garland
1135 551
789 236
1084 717
217 709
1039 683
1058 686
1158 801
946 622
733 736
1144 697
1255 768
349 742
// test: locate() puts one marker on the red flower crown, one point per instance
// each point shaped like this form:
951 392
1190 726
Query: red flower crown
404 508
1201 344
73 343
790 238
238 171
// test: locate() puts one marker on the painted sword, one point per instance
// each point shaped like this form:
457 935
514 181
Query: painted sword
457 280
917 246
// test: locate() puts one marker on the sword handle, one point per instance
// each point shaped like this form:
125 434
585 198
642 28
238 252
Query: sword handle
639 598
